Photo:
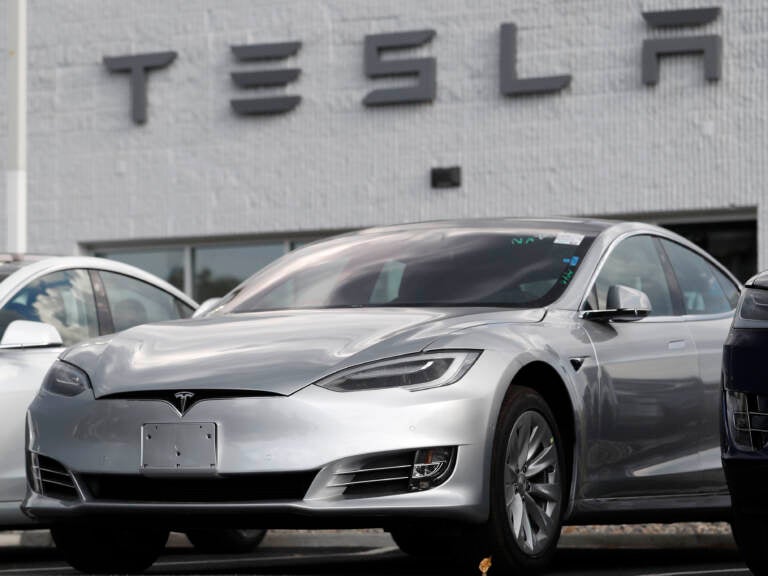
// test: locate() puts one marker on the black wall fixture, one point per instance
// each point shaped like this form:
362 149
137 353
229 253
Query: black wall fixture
446 177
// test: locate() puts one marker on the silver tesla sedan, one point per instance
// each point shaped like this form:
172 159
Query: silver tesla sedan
471 386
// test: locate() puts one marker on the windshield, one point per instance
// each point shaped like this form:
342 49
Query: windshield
434 267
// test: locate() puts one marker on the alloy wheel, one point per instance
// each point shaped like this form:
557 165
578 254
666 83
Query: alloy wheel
532 486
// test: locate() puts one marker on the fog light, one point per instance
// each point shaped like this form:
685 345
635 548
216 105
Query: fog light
431 467
737 406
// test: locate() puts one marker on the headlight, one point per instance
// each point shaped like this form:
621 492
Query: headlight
65 380
737 415
416 372
753 309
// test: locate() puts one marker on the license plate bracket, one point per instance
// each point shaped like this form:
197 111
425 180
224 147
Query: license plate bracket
181 447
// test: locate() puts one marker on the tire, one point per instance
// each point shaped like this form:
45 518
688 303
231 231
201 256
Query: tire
751 534
429 540
226 541
528 486
109 550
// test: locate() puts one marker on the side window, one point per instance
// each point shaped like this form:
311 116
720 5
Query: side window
387 286
703 291
635 263
184 309
133 302
62 299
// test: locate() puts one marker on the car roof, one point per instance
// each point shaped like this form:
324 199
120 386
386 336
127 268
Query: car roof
587 226
22 268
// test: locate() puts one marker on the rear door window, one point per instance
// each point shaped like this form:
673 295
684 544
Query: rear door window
133 302
705 290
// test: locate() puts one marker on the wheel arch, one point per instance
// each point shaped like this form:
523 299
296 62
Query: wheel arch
551 386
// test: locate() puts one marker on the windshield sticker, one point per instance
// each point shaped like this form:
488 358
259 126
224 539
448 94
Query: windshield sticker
569 238
522 241
573 260
566 277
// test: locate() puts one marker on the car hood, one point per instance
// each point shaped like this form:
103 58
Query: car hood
270 352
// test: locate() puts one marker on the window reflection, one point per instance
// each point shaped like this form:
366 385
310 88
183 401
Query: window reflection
218 269
133 302
62 299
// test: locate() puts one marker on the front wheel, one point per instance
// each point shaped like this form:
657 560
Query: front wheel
751 534
109 550
527 486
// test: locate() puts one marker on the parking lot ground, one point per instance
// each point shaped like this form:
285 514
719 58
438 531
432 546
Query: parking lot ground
373 553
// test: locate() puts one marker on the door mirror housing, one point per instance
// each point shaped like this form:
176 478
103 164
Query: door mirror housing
622 304
27 334
206 307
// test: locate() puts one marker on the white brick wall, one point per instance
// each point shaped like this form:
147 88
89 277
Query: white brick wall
606 145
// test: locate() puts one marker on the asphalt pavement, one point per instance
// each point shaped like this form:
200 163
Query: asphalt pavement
373 553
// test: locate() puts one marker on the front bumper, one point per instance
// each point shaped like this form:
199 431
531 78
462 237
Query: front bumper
747 480
314 432
746 471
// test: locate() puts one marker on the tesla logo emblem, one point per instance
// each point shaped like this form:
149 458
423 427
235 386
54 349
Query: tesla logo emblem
183 401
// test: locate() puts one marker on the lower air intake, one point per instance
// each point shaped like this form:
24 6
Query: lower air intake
234 488
376 476
53 479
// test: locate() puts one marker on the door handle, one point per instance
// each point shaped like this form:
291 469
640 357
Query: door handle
676 344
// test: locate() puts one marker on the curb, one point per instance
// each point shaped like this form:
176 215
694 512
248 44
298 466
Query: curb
648 541
380 539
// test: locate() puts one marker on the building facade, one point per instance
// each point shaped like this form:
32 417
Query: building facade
268 123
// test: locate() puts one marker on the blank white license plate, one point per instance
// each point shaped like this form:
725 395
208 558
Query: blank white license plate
181 447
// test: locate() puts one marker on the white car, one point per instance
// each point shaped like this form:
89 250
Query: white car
47 303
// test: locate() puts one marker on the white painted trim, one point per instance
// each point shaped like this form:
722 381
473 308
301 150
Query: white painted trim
16 211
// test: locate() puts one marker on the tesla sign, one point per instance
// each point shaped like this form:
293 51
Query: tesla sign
422 71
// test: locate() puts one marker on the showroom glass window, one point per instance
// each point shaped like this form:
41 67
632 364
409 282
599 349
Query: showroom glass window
133 302
218 269
635 262
206 270
64 300
167 264
705 289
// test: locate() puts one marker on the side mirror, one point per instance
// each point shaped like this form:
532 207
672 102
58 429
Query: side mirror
26 334
622 303
206 307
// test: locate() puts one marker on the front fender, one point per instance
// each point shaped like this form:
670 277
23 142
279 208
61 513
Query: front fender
554 342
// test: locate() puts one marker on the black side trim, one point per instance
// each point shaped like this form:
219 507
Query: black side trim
678 303
103 313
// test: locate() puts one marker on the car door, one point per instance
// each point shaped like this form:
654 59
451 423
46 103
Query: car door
65 300
709 298
649 386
